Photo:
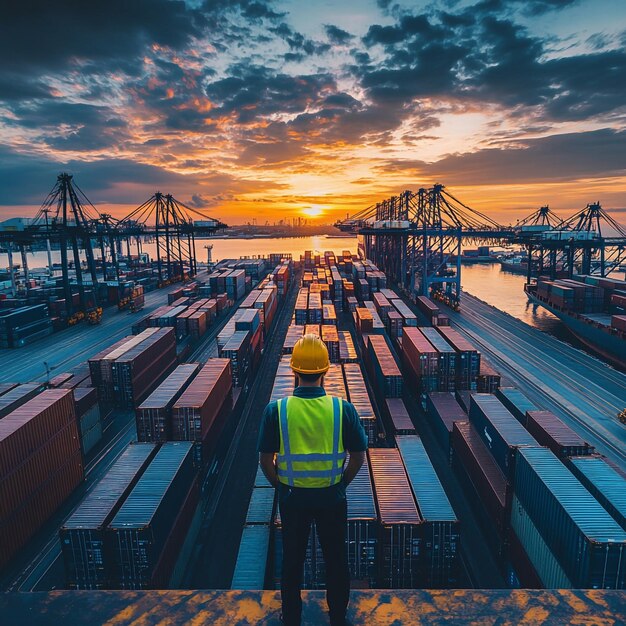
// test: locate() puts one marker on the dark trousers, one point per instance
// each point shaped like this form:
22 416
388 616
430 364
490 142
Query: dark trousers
330 523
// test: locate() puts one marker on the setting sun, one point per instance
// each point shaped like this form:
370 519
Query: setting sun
313 211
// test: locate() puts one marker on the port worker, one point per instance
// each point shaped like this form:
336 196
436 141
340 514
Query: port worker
302 449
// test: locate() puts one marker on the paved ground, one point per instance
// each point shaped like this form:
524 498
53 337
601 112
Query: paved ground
369 608
71 346
584 391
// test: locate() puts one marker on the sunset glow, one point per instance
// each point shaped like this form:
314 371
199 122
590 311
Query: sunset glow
272 109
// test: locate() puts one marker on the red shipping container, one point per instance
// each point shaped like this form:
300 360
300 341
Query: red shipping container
619 322
195 411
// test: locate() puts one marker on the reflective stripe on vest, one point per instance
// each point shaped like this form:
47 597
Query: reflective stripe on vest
310 424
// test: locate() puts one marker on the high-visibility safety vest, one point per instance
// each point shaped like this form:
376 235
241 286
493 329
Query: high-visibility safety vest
311 441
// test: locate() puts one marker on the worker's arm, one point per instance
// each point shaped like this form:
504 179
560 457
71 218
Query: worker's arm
354 465
266 460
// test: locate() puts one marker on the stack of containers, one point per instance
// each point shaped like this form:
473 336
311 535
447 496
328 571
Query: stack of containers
468 358
488 380
383 306
447 359
237 349
400 539
364 321
420 360
441 533
40 465
347 351
312 329
377 324
330 337
516 402
429 309
154 416
229 328
408 317
334 382
338 288
571 541
100 364
394 324
200 412
485 475
314 313
606 485
18 395
197 324
386 372
301 310
236 284
500 431
139 369
82 535
294 333
398 417
329 315
357 395
88 417
551 432
443 410
145 536
362 535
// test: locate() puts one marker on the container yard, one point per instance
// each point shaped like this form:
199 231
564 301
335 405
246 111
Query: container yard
467 473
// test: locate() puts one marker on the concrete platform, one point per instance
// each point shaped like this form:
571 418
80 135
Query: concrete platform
371 608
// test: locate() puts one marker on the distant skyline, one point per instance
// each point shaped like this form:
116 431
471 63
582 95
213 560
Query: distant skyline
273 110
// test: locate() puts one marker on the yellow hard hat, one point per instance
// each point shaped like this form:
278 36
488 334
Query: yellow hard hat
310 356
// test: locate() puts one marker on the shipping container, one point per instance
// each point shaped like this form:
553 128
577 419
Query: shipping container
138 370
468 357
17 396
606 485
488 380
471 456
399 418
40 465
447 356
252 558
347 351
261 506
443 410
570 539
197 408
154 415
358 396
334 383
441 532
500 431
551 432
294 333
516 402
420 360
400 539
145 535
82 534
388 378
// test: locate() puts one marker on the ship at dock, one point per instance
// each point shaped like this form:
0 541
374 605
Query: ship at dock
592 308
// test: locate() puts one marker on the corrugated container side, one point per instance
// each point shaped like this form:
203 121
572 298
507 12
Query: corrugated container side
441 528
82 535
585 540
551 432
250 567
604 482
400 543
444 410
500 431
516 402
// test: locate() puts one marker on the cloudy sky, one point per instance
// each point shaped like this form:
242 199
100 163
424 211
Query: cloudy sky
272 109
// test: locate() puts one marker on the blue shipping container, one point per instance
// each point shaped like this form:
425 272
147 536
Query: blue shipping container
252 558
585 541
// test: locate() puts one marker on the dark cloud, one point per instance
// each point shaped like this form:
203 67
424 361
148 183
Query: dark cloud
476 55
539 7
337 35
251 92
300 46
566 157
43 35
27 178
